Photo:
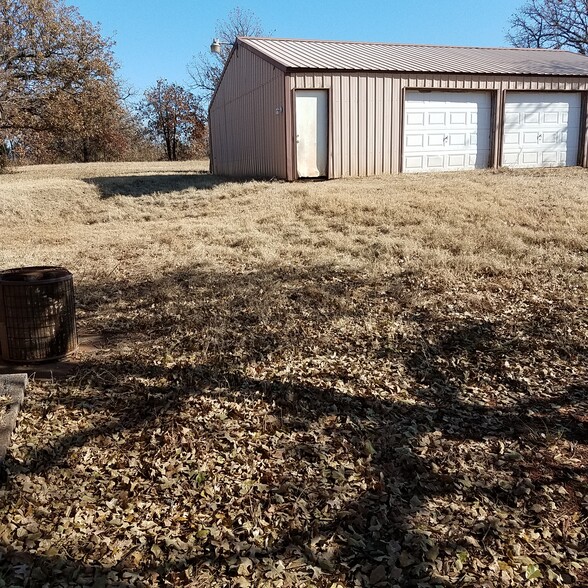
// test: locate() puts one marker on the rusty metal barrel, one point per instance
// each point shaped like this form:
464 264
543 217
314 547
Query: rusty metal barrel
37 314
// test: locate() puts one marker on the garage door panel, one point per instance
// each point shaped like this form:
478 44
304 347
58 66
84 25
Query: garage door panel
457 161
435 140
437 118
550 118
532 118
453 123
458 118
414 140
413 162
415 118
511 118
541 129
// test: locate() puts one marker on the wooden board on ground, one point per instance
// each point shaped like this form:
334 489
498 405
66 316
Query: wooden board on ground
12 387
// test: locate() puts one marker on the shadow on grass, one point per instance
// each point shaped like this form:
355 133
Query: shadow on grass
403 447
146 185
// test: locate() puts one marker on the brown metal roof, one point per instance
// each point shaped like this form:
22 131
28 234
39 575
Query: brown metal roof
352 56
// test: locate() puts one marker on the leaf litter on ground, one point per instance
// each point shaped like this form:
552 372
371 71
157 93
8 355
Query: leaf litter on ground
310 426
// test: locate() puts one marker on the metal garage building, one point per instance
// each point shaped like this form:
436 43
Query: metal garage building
301 109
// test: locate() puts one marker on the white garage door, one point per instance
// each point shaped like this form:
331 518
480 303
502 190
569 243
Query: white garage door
541 129
446 131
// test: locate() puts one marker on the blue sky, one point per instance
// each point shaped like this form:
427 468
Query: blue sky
158 38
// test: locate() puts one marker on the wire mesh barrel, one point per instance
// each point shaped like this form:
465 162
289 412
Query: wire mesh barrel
37 314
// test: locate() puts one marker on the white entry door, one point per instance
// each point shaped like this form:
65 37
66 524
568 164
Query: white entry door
446 130
541 129
312 131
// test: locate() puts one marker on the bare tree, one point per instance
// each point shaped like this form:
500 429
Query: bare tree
174 116
554 24
205 69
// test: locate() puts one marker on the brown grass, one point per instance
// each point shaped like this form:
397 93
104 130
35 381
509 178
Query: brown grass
393 368
177 215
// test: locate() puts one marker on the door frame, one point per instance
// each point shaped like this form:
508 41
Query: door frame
328 133
493 116
582 131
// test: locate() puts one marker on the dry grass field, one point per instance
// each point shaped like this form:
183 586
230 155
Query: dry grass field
366 382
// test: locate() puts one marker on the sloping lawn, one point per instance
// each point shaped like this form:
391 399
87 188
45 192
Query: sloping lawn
368 382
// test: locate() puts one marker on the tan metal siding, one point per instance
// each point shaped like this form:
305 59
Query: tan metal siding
353 126
362 125
360 135
396 125
387 105
345 149
498 117
471 82
248 137
336 135
367 112
584 132
584 143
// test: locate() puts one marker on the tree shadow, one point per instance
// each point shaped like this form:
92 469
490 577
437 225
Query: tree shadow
384 527
147 185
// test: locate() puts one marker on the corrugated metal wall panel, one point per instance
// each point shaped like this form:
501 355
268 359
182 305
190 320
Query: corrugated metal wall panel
248 136
366 111
361 125
386 126
353 117
396 125
379 126
370 126
336 138
345 149
584 133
